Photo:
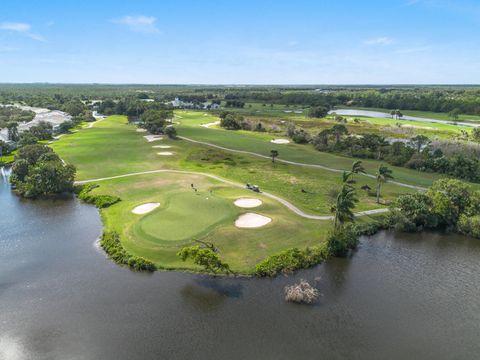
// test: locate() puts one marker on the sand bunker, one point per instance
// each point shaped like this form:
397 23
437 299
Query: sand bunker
251 220
161 146
145 208
165 153
141 130
248 203
280 141
211 124
151 138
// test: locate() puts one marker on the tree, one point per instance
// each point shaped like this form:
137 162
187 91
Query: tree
317 112
392 113
323 136
419 141
12 128
454 114
205 257
344 204
338 130
26 138
398 114
37 170
383 175
154 120
231 121
171 132
273 154
357 168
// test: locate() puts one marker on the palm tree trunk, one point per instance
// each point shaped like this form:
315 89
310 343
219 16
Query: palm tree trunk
378 193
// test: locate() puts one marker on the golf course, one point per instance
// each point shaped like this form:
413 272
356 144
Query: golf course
178 192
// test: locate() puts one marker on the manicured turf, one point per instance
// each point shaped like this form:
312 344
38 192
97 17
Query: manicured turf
260 143
112 147
185 215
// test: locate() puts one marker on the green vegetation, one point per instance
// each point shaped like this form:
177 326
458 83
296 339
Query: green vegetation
110 242
205 257
38 171
100 201
292 259
194 188
448 204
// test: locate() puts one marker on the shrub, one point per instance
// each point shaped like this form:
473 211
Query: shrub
339 242
291 260
302 292
100 201
469 225
110 242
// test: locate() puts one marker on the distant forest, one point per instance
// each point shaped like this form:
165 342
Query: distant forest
463 99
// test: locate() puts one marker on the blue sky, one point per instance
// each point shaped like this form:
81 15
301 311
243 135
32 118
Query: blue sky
241 42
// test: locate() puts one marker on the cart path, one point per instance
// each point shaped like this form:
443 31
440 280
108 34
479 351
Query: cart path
289 205
420 188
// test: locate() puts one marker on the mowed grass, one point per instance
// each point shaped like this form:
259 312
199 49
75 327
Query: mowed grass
90 150
113 147
260 143
207 215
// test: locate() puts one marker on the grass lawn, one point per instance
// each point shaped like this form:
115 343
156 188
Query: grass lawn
113 147
208 215
260 143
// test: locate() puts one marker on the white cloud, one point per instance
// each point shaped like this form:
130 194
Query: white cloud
21 28
140 23
379 41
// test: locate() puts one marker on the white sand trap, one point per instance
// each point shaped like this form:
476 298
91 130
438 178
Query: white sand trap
145 208
161 146
248 203
165 153
151 138
211 124
251 220
280 141
141 130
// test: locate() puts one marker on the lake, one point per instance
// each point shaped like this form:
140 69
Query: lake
379 114
399 296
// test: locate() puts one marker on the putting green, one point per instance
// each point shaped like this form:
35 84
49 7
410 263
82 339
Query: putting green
186 216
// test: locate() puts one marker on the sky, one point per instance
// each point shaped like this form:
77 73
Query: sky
241 41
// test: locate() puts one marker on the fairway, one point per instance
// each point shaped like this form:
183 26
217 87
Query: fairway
171 214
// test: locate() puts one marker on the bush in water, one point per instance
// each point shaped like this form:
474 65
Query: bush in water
302 292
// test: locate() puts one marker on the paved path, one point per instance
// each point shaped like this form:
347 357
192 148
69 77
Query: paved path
295 163
279 199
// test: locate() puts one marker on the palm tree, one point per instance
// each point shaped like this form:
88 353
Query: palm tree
273 154
392 113
357 167
343 206
383 175
398 114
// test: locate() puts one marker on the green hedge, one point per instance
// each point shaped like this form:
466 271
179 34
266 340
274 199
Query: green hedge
100 201
291 260
110 242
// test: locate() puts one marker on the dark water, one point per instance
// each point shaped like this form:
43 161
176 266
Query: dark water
398 297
